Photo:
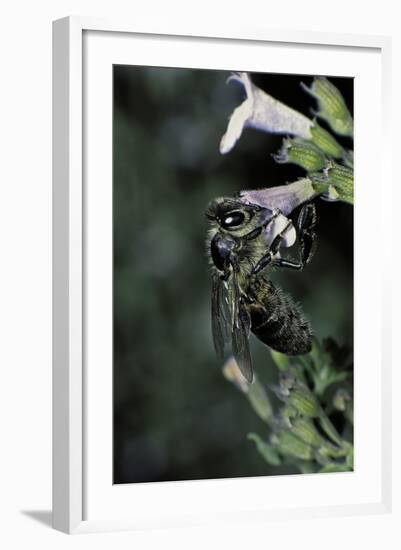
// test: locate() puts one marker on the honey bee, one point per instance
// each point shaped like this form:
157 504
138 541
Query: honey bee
244 244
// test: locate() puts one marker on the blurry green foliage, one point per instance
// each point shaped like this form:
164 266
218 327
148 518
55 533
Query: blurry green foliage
301 428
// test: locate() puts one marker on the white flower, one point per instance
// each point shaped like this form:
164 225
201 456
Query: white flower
263 112
284 198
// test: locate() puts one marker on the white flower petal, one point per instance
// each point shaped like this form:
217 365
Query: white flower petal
273 116
277 226
284 198
236 123
263 112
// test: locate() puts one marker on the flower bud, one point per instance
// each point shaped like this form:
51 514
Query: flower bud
304 402
305 430
342 179
329 451
341 399
289 444
255 392
332 107
335 183
260 401
284 419
301 152
326 142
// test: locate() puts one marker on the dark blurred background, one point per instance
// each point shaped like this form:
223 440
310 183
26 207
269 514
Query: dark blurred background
175 416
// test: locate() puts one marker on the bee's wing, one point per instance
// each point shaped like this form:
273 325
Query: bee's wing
219 317
241 326
240 341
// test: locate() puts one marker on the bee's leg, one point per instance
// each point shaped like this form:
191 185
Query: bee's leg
307 237
253 234
283 262
306 228
267 259
258 230
262 263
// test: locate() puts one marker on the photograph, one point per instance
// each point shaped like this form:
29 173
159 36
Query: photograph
233 263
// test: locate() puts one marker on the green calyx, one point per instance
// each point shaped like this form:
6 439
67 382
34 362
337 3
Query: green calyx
332 107
302 152
326 142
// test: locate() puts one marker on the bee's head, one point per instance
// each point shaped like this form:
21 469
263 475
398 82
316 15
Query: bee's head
231 216
221 251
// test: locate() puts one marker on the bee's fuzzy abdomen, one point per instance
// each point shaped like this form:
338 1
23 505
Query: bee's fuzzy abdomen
280 323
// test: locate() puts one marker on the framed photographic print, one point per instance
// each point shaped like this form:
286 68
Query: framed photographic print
219 292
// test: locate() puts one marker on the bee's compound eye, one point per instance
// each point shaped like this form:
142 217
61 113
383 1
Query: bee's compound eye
233 219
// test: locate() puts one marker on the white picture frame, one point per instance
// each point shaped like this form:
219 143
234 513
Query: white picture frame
80 44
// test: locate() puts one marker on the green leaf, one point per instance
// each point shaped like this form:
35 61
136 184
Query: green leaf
334 467
325 377
330 430
307 467
268 452
350 458
282 361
